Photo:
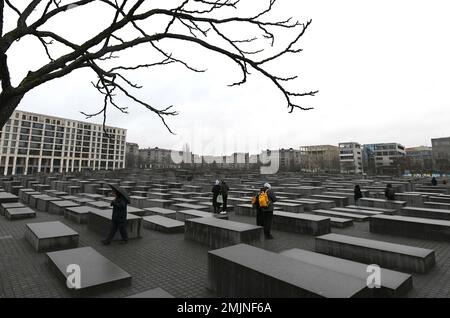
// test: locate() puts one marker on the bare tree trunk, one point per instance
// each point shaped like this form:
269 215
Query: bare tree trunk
2 5
8 104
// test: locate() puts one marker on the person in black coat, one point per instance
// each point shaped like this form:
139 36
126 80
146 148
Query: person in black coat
389 193
357 194
224 188
434 181
268 211
216 190
259 213
119 219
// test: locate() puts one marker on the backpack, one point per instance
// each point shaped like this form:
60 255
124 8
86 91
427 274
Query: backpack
263 199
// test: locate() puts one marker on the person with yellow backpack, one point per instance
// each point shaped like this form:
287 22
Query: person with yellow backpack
264 203
255 203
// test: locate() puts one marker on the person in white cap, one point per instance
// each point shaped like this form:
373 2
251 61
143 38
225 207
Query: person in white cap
216 191
267 210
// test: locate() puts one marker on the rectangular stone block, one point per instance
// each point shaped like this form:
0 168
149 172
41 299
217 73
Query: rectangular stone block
6 197
338 200
5 206
97 272
410 227
300 223
184 215
217 233
162 212
44 202
163 224
245 209
19 213
27 195
289 207
426 213
382 203
242 270
78 214
58 207
384 254
23 191
139 202
352 216
187 206
392 284
160 203
50 236
102 205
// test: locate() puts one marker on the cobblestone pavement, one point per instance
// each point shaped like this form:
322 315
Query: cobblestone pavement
169 261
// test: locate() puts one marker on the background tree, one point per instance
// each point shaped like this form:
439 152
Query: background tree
206 23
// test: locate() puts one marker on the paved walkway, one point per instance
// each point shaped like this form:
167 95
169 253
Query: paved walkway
170 262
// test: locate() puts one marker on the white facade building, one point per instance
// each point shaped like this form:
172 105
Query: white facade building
350 158
33 143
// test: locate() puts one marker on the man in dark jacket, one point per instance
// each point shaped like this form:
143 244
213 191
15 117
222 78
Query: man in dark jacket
224 190
389 193
357 194
434 182
216 190
119 219
268 211
259 213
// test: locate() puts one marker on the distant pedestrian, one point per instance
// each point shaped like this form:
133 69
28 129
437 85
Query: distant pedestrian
216 191
357 194
445 180
224 190
266 200
259 212
119 218
434 181
389 192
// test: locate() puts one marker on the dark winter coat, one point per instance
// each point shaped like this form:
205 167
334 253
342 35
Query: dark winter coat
358 194
224 189
216 190
119 209
389 193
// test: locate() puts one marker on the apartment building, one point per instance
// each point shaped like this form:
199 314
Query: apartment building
441 154
34 143
131 155
383 158
419 159
320 158
350 158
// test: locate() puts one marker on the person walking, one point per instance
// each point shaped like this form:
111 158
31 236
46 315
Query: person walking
224 188
259 212
216 191
434 181
119 218
389 192
357 194
266 200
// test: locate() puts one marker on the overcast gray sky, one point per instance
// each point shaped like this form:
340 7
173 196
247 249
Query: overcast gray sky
382 69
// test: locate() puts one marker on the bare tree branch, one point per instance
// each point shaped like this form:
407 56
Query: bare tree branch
199 22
